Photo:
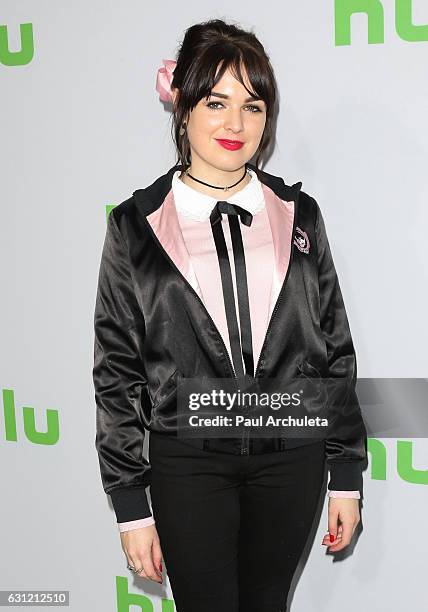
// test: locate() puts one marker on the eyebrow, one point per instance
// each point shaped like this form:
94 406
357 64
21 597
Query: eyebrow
222 95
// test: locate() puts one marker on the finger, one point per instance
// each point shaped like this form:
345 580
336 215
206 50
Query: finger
333 526
147 564
346 537
157 555
133 562
142 574
339 533
328 539
149 575
327 542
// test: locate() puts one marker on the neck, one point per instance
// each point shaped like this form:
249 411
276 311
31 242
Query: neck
216 177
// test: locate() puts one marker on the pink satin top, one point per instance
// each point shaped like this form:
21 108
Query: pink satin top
193 211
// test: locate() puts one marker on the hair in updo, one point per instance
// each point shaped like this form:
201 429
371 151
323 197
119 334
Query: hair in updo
204 46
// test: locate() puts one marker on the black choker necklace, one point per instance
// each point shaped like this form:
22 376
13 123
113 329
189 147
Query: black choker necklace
186 172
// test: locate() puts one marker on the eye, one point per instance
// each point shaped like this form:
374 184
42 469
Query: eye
211 103
256 109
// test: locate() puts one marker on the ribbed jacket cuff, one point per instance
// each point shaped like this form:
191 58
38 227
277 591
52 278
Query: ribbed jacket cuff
345 475
130 503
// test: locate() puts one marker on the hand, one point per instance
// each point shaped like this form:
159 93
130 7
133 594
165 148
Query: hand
347 510
142 549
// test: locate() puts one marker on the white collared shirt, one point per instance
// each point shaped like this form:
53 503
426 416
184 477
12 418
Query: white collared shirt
198 206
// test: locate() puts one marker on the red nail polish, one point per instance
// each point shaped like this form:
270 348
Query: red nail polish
331 537
160 567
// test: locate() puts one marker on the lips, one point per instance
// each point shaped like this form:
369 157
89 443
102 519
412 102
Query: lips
231 145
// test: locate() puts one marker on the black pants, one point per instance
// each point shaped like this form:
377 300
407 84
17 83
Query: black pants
232 528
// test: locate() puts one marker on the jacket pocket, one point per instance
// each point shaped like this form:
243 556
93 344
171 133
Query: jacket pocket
308 369
315 389
169 388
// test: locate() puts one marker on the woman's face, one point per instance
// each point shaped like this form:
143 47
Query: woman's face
231 116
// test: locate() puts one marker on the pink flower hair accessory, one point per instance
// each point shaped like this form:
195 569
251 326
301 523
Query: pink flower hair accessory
164 80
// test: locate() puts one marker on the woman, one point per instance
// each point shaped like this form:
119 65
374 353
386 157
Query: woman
220 270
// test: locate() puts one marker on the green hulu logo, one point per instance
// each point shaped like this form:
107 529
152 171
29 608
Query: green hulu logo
108 209
405 469
48 437
126 600
25 54
406 30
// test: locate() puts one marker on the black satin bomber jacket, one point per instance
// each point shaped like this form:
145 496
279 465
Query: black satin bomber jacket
152 330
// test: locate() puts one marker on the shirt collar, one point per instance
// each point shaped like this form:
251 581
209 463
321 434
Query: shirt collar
198 206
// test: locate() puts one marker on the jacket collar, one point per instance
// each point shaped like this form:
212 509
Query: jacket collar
156 202
152 197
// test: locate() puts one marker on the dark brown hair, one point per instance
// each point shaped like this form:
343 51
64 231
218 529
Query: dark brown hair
204 46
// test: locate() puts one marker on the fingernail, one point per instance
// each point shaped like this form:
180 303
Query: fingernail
160 566
331 537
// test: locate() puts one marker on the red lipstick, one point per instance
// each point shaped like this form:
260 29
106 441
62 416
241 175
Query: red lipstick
232 145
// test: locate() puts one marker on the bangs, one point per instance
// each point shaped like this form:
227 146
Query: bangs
202 76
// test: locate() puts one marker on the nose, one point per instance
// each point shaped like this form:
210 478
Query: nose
233 120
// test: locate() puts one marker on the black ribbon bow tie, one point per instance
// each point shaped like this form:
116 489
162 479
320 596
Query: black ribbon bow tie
223 206
234 213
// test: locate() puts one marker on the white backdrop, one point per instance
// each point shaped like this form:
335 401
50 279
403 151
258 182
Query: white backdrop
82 127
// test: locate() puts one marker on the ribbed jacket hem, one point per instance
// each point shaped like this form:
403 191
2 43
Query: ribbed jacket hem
345 475
130 503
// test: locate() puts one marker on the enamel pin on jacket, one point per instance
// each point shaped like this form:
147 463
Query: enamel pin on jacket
152 330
